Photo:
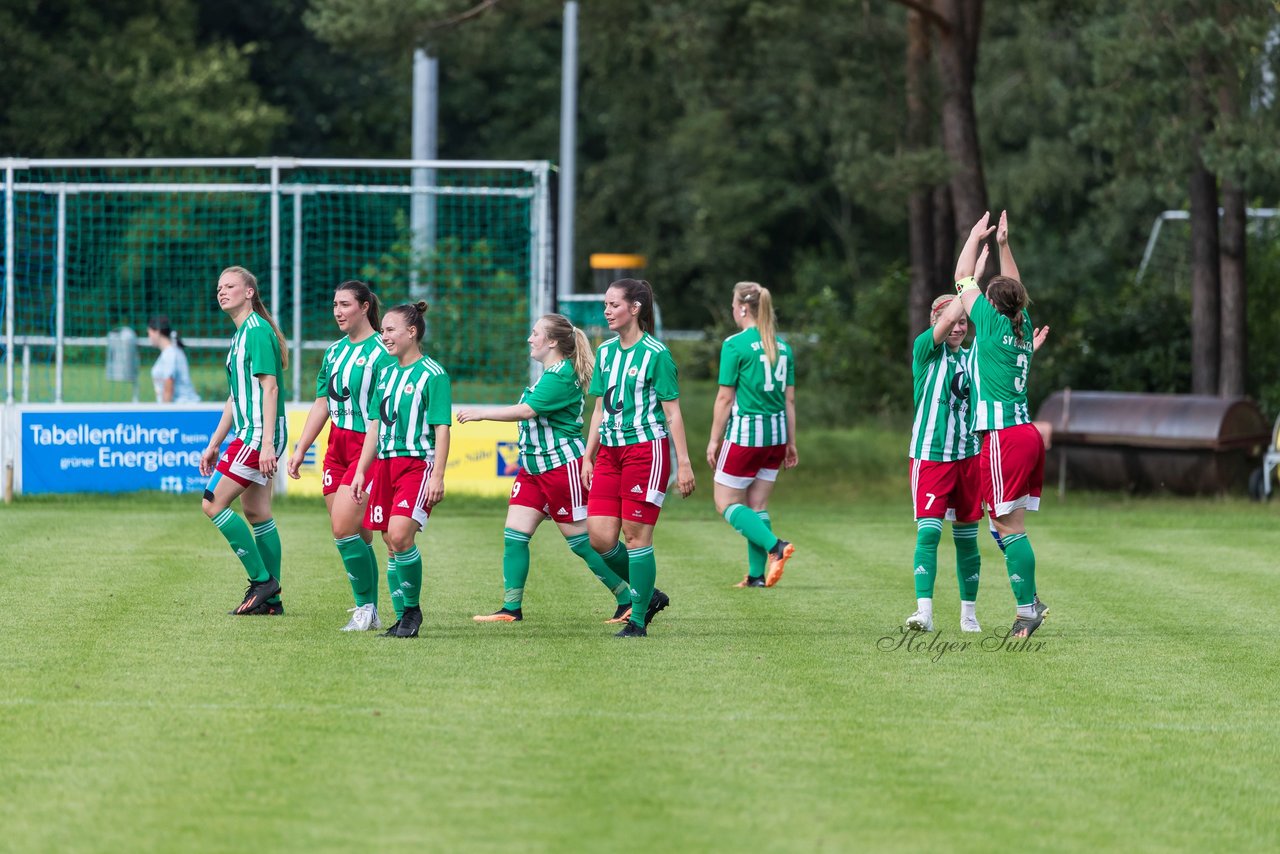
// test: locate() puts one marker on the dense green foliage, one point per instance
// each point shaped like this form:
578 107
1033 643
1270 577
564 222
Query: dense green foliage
727 140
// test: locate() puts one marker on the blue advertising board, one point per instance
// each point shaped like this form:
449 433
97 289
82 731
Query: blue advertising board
116 449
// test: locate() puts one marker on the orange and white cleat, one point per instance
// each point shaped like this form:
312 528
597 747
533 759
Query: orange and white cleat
621 615
500 616
778 557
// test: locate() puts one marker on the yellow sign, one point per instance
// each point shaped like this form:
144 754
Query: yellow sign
483 457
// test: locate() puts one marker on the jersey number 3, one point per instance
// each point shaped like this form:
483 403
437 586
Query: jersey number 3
778 372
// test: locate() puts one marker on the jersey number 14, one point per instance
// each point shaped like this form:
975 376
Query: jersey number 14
777 372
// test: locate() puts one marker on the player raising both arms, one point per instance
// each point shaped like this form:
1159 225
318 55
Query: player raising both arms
1012 457
549 482
944 461
344 395
758 388
636 420
410 440
255 364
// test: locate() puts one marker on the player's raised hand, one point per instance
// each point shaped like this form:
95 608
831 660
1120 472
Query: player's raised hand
1002 230
1038 338
982 228
981 264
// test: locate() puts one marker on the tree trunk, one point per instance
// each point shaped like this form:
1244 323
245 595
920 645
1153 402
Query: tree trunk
957 62
1234 336
1204 280
944 235
920 203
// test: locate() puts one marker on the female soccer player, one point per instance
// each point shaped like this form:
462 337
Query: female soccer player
549 482
944 461
344 394
757 382
255 363
171 375
1011 462
410 439
636 420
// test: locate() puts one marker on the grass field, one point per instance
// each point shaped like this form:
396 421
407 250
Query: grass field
137 716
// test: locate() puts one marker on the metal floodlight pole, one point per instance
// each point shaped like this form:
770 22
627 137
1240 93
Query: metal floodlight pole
297 297
275 240
568 138
8 280
422 208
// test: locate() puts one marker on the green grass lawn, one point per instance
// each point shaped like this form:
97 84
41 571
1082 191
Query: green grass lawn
137 716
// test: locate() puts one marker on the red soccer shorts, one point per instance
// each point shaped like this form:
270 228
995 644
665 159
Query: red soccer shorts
240 463
558 493
738 465
1012 469
950 491
341 458
630 481
398 487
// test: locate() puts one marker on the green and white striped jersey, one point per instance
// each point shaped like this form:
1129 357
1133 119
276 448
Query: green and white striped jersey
553 436
999 366
347 377
411 402
941 430
255 351
759 417
631 382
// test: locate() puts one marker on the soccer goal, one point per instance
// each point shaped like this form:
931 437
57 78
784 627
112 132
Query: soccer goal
93 247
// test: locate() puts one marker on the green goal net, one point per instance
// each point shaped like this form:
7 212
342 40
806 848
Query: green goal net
94 250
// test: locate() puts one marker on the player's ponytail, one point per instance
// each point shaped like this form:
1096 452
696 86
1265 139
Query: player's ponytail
1009 297
571 343
160 323
758 302
251 281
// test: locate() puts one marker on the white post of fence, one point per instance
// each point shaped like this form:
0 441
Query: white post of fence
61 298
8 281
297 297
275 240
26 373
425 144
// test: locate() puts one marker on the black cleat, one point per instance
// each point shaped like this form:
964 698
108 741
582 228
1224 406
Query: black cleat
256 596
751 581
1025 627
657 602
1041 608
391 631
409 623
631 630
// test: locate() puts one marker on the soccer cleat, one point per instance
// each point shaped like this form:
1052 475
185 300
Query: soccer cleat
969 624
657 602
751 581
256 596
778 557
363 618
621 615
500 616
409 623
391 630
920 622
1025 627
631 630
271 609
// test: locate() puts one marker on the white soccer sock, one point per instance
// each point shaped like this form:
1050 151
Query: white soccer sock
925 606
968 610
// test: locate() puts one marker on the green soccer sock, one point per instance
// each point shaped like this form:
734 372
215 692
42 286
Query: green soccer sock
617 560
268 540
748 524
928 533
644 573
409 566
515 567
393 585
1020 561
581 546
240 537
757 557
362 574
373 578
968 559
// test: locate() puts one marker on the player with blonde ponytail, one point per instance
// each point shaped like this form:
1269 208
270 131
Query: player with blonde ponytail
255 366
753 430
549 483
